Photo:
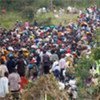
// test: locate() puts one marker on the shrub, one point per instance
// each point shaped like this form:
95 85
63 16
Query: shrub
45 86
82 69
96 54
28 12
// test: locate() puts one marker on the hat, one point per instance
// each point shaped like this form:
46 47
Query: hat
10 48
68 55
34 46
23 49
88 33
84 23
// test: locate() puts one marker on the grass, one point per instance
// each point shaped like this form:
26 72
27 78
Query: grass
8 20
98 36
56 21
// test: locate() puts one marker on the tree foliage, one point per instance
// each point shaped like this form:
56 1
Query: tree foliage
28 12
82 69
96 53
20 4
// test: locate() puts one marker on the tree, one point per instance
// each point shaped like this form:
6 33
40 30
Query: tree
28 12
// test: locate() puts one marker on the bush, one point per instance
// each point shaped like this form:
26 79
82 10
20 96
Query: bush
96 54
82 69
44 86
28 12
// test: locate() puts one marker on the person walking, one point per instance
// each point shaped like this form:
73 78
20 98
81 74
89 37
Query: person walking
14 84
62 64
4 88
46 63
3 67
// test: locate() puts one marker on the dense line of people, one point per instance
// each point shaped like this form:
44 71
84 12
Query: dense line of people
30 51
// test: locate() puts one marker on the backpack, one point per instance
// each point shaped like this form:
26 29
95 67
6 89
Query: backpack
46 58
30 66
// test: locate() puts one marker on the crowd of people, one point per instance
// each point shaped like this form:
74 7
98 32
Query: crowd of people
28 51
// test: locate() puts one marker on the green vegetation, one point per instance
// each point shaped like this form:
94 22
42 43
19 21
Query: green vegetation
82 73
26 10
45 88
7 20
56 21
21 4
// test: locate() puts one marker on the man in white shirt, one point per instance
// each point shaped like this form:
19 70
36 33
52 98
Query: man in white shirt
14 81
62 64
3 67
54 56
4 89
14 84
55 69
